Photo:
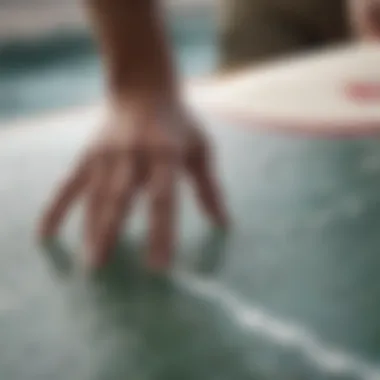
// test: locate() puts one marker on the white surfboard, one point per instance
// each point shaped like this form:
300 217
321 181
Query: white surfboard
336 91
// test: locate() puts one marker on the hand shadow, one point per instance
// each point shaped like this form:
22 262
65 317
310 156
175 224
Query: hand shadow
126 274
126 268
212 253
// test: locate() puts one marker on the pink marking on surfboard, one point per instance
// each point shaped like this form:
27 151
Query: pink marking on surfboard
363 91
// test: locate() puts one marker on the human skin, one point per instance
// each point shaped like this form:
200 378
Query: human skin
253 31
364 16
147 142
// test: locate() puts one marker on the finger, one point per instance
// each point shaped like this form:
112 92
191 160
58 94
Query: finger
162 193
67 193
120 194
198 165
96 199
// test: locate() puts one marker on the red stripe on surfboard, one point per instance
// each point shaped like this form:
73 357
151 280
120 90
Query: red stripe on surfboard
363 92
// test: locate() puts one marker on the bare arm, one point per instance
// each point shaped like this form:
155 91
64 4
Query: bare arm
364 16
134 46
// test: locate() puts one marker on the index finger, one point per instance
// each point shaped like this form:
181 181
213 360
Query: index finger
66 194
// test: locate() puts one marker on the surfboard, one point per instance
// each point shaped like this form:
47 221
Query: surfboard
333 91
289 293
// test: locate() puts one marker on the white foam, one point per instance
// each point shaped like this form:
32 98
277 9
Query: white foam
255 319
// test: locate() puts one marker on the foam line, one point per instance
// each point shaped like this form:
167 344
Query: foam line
257 320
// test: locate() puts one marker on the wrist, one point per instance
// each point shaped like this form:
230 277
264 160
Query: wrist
145 105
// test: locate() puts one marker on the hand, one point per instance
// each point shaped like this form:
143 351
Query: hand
137 151
365 18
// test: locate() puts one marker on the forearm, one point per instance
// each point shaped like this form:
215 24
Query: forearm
134 46
355 13
364 17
